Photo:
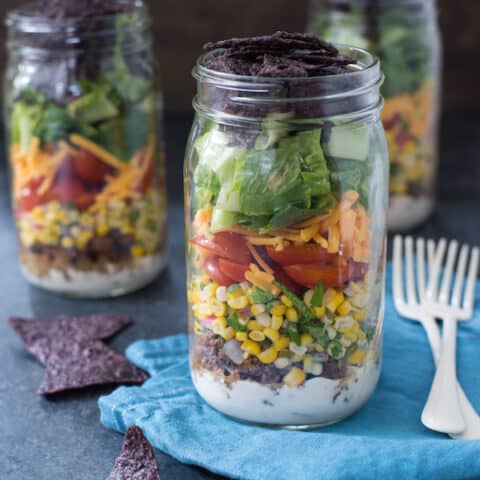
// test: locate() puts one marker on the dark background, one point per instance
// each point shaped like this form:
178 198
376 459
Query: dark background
182 26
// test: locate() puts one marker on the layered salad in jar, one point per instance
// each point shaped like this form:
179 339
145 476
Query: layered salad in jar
87 164
285 253
404 35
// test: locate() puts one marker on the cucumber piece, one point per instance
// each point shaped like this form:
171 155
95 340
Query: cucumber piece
349 142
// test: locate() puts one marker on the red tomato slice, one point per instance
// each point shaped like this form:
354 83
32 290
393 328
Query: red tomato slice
226 245
311 275
85 200
332 276
90 168
283 278
300 255
212 269
65 190
29 198
146 182
233 270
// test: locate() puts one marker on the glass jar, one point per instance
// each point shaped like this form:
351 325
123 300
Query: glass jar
84 118
404 34
286 188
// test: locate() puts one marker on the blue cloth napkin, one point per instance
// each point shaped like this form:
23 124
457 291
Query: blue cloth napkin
384 440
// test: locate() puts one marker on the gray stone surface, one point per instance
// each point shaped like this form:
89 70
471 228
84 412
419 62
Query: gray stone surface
62 438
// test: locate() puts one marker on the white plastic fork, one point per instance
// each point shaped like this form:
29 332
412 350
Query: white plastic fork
411 308
442 411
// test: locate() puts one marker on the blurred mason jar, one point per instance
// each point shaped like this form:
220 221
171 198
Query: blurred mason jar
405 35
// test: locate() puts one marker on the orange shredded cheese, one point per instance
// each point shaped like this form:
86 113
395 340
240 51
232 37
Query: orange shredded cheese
308 233
262 280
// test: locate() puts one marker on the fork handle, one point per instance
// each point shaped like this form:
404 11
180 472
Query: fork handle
442 411
472 432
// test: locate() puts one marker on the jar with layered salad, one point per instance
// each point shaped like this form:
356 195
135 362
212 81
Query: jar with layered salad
84 121
404 34
286 186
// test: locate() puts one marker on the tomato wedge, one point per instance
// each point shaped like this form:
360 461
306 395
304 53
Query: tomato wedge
212 269
301 255
65 190
90 168
226 245
310 275
233 270
283 278
28 198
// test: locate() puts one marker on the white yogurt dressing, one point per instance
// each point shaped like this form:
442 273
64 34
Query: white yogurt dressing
407 212
114 282
319 401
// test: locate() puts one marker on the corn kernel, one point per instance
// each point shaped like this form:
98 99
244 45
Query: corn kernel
254 325
67 242
268 356
359 315
294 378
137 251
307 297
228 333
335 302
357 357
307 363
282 343
344 308
235 294
257 335
306 339
264 319
241 336
102 229
258 309
277 322
286 301
282 362
221 294
204 310
251 347
237 303
271 334
218 309
320 311
292 315
279 310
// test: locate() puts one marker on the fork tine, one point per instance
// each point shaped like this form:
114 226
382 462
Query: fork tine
448 271
398 294
469 298
434 274
460 276
431 253
410 277
421 267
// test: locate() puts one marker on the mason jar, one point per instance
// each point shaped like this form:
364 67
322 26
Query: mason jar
84 123
286 188
405 35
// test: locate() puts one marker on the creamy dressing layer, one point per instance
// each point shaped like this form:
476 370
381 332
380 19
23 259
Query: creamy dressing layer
319 401
406 212
112 283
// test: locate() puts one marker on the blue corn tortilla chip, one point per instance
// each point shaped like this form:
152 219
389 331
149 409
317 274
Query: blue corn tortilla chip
72 351
136 460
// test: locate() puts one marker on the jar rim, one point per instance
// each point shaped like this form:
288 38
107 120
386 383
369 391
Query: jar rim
24 19
247 99
202 72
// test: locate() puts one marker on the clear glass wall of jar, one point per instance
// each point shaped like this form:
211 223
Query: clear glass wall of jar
84 117
286 185
404 34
